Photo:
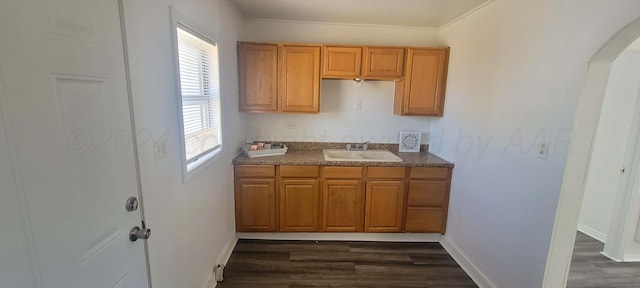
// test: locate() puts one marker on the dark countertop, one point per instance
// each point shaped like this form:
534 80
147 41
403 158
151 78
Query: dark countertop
313 158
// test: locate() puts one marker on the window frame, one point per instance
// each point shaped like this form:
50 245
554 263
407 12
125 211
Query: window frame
178 20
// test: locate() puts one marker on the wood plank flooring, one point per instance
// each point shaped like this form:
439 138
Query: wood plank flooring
590 269
298 264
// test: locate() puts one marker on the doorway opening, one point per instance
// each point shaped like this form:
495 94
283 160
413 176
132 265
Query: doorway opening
575 181
609 214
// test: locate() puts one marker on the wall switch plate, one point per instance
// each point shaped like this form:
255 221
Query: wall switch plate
159 148
291 125
543 151
359 105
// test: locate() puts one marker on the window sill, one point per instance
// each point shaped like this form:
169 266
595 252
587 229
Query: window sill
195 167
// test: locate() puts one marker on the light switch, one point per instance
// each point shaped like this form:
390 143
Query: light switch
159 148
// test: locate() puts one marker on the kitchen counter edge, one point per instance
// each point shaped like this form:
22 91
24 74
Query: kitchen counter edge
315 158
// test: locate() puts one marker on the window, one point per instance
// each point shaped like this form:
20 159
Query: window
200 97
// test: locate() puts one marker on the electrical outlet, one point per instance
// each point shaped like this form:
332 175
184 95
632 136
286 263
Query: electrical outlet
359 105
159 148
291 125
543 151
219 273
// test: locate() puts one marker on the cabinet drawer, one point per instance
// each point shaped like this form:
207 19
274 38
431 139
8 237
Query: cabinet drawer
299 171
420 219
255 171
342 172
429 172
427 193
385 172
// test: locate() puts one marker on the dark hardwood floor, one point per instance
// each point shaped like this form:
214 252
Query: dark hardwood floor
298 264
590 269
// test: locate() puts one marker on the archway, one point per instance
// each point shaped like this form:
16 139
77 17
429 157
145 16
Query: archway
584 130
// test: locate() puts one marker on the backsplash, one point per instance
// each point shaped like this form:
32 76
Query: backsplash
339 119
318 146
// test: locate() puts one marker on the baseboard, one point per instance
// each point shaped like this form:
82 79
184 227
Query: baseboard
476 275
228 249
610 257
592 233
381 237
223 259
632 258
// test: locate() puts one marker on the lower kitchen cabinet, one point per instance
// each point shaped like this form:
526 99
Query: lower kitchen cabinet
255 205
427 200
424 219
273 198
384 206
299 205
342 206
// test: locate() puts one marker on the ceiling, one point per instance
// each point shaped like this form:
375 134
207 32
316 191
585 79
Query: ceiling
416 13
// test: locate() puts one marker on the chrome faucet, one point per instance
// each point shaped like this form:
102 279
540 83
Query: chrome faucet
359 147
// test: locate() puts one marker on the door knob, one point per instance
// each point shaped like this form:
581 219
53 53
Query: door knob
139 233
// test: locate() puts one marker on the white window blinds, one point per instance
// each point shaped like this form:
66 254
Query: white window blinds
200 93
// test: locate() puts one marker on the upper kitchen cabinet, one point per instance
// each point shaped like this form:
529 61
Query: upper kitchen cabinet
279 77
299 83
422 90
383 62
342 62
258 77
349 62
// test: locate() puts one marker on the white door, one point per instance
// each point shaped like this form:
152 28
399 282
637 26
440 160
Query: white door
66 152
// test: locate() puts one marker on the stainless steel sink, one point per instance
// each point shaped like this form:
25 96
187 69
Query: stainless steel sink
360 156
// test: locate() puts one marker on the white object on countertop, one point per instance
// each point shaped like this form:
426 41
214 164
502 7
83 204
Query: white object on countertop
264 152
409 142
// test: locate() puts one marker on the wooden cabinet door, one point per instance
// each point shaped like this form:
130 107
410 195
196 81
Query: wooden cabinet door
425 219
299 205
384 206
255 205
258 76
342 206
423 89
383 62
341 62
299 83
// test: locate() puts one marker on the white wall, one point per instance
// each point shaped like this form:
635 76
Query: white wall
338 120
192 223
335 33
515 76
610 144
